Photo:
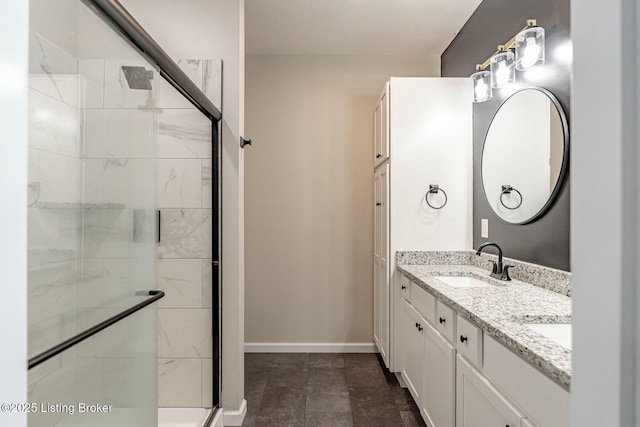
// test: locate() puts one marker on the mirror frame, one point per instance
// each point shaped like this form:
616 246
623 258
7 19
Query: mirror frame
565 156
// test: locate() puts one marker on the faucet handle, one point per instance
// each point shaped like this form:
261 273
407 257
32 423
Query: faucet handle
505 272
494 269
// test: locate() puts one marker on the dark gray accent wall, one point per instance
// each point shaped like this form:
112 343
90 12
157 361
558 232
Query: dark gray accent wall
545 241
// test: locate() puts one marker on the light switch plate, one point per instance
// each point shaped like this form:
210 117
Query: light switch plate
484 229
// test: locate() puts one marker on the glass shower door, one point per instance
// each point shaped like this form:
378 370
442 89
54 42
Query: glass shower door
91 220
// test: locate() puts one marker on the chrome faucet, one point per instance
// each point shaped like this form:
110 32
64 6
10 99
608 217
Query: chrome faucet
498 271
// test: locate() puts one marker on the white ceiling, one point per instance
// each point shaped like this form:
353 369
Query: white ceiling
354 27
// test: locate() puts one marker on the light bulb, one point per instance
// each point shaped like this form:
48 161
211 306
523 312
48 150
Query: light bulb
481 90
502 74
481 86
503 71
531 53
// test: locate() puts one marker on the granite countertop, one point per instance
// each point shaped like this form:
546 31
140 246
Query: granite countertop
501 309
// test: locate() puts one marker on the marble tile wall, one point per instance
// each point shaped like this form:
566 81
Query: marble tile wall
118 168
184 252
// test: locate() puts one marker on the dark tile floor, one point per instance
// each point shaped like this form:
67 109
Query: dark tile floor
318 390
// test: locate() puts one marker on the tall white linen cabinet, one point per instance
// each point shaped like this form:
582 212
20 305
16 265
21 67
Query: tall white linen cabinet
422 138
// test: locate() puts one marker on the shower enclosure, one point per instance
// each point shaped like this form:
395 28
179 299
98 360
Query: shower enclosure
93 222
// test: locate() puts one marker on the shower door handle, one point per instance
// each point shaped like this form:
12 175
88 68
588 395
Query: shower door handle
158 225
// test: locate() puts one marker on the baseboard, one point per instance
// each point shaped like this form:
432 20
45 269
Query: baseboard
235 418
274 347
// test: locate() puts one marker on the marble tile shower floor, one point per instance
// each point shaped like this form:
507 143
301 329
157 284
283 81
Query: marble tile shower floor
318 390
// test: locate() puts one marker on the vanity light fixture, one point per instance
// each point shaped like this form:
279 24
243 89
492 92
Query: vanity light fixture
481 86
529 48
528 45
503 68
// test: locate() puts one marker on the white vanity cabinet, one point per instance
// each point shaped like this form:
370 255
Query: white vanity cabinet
479 404
381 291
422 136
428 357
413 355
460 376
439 371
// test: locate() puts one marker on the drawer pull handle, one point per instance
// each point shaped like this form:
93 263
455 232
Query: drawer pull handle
463 338
403 287
442 320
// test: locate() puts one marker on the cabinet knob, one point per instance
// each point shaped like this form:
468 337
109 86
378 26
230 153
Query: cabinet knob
378 156
442 320
463 338
417 324
378 204
403 287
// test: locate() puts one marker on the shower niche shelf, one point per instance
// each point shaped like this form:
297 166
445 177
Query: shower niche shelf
77 205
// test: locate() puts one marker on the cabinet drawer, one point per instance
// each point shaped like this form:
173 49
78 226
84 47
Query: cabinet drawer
405 288
445 321
424 302
469 341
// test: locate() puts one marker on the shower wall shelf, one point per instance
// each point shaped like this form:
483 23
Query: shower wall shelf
76 205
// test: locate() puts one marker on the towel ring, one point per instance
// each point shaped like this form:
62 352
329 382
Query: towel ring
434 189
507 189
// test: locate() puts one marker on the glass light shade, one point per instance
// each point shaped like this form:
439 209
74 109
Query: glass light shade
529 48
503 70
481 86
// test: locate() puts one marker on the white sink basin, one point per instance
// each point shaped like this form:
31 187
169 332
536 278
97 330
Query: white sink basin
462 281
559 333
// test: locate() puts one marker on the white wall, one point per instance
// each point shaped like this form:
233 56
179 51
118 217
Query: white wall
604 214
431 144
13 192
309 195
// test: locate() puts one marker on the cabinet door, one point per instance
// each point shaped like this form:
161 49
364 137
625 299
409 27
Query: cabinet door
385 278
381 128
384 212
377 134
381 277
384 123
377 277
478 403
413 354
439 398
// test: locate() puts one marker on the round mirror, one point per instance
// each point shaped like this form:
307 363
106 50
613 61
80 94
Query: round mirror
525 156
